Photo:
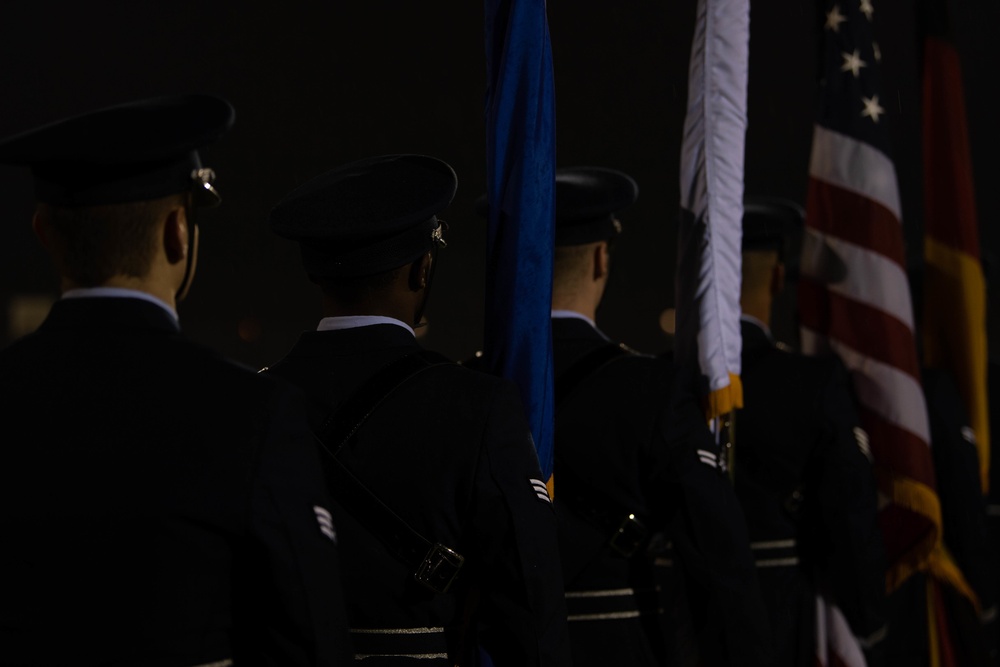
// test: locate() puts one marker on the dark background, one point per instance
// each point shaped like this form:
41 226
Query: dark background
316 84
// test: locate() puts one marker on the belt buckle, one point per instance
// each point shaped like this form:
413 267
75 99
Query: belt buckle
629 536
439 568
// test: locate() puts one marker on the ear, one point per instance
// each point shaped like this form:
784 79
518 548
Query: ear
602 260
175 235
777 278
420 272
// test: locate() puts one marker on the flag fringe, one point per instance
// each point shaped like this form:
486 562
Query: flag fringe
919 498
929 555
725 399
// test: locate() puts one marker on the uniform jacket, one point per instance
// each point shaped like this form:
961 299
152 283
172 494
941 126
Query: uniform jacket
808 492
159 505
628 437
450 452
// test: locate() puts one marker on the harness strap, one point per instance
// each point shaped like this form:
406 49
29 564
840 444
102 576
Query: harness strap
434 565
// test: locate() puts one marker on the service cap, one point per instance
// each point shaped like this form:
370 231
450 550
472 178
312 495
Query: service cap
369 216
587 200
768 223
130 152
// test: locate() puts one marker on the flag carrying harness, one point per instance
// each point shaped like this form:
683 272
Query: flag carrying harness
433 565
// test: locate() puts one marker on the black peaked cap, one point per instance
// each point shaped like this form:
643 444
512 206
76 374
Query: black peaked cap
587 199
369 216
769 221
137 151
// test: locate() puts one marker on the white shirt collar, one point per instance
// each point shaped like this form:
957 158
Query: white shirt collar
565 314
355 321
573 315
117 293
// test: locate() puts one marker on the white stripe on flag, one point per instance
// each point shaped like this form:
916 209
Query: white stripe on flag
841 640
872 279
894 395
855 166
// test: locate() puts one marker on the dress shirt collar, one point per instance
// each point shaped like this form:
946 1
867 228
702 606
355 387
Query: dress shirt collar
117 293
565 314
355 321
573 315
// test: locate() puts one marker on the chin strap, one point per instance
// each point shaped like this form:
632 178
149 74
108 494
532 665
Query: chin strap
419 318
438 236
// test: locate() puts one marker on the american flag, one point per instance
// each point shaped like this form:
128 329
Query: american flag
864 313
854 297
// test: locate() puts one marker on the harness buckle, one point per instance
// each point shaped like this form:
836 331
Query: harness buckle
629 537
439 568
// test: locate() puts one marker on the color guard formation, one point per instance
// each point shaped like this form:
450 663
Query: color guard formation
366 501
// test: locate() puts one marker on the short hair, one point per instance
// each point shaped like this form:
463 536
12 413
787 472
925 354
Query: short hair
571 264
92 244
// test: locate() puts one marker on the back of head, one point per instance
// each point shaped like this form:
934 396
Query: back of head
92 244
357 225
588 200
105 178
768 223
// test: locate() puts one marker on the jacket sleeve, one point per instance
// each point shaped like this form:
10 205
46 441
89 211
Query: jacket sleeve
710 537
522 608
287 584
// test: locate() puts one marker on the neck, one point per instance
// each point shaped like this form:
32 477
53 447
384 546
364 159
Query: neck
159 289
576 307
399 312
580 301
758 307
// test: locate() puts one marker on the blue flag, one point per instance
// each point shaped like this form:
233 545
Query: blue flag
520 188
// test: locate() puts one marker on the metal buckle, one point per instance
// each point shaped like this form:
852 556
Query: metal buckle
204 191
439 568
629 536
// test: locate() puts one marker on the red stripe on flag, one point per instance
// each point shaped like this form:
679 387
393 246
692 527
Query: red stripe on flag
851 323
856 219
896 450
836 660
949 198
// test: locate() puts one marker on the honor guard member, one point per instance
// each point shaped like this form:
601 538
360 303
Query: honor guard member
803 466
446 538
159 505
632 454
